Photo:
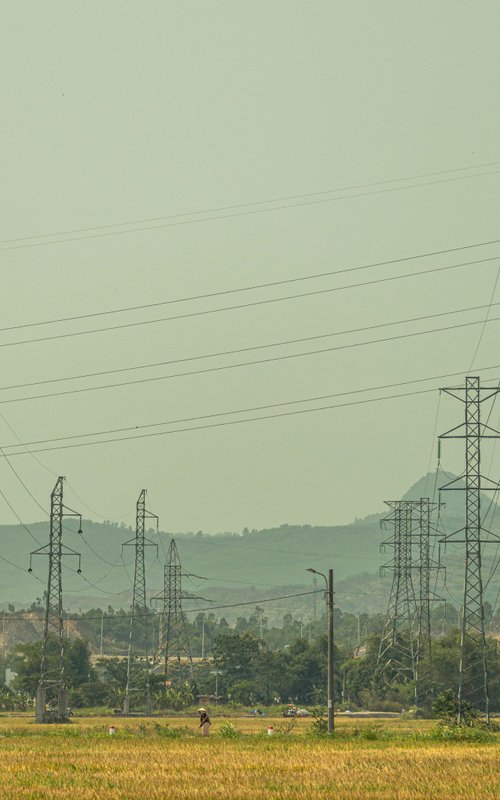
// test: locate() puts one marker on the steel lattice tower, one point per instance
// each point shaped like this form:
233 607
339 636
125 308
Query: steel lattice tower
473 669
138 672
425 566
174 640
399 643
52 688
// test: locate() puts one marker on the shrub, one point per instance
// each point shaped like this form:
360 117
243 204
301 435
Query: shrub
461 733
319 725
228 731
170 733
446 710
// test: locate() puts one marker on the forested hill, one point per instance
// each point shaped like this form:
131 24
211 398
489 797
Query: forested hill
237 567
265 559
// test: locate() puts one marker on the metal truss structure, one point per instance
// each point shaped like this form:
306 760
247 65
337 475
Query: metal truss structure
52 695
138 655
398 646
174 649
473 668
425 566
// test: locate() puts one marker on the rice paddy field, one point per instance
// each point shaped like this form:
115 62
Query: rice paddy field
161 758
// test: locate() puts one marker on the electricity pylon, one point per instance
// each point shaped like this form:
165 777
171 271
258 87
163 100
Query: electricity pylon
399 643
473 669
138 670
174 643
425 565
52 689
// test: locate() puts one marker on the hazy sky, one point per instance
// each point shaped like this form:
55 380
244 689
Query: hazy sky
118 112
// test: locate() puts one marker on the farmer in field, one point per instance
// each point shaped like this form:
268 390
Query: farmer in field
204 721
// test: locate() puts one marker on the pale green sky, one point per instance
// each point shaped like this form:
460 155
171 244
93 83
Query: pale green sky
123 111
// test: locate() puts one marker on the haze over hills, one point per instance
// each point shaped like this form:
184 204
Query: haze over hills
238 567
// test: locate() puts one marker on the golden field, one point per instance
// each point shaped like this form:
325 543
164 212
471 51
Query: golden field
146 760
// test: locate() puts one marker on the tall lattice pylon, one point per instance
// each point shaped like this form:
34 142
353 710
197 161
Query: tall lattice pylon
473 668
138 655
425 565
174 648
399 643
52 695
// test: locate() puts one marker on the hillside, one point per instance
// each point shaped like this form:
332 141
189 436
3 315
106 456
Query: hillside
237 567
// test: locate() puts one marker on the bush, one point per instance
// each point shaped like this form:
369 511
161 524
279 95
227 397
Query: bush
170 733
446 710
243 692
319 726
286 727
461 733
370 733
228 731
89 694
371 701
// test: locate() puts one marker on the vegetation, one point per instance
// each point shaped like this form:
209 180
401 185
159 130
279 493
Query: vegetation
253 664
275 556
146 758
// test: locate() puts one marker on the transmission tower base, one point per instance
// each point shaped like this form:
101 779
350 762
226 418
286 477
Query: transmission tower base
40 705
58 714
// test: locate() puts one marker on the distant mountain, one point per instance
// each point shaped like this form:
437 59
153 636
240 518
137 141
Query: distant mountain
238 567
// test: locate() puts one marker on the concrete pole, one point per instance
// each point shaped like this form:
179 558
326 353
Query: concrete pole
331 705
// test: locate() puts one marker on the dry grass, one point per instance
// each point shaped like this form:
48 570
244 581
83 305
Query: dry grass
83 762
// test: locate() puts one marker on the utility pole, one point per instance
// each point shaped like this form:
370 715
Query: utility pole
52 689
398 646
138 645
331 708
473 669
174 644
330 635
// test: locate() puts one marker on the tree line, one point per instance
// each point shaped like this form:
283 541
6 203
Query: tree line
250 663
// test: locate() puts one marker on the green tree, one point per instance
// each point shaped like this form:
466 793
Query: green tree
77 664
234 655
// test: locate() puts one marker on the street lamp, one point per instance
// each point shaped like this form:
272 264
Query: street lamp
329 605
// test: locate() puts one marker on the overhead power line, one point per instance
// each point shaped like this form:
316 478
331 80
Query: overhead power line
247 204
24 485
6 499
254 287
489 307
253 304
196 610
246 349
226 423
255 362
296 202
231 412
254 602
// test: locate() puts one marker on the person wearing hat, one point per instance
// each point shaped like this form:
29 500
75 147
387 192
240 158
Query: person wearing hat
204 721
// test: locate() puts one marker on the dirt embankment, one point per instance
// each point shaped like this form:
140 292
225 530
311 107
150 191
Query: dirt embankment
27 626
